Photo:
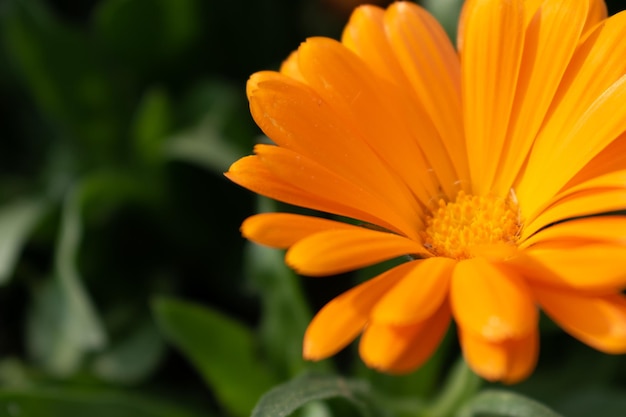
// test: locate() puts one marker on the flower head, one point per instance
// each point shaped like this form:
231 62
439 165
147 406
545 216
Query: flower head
484 164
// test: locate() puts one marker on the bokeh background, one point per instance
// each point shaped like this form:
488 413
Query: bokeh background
126 287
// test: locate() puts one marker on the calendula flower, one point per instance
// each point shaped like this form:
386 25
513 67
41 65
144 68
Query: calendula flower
484 164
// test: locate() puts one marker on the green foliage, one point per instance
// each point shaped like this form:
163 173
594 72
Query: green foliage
284 311
64 324
132 358
504 404
17 219
208 143
153 121
283 400
93 403
461 386
222 350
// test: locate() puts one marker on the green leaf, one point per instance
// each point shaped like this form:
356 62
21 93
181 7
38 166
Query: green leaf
133 358
14 373
222 350
284 313
17 220
152 123
283 400
203 145
63 324
104 192
72 402
50 340
495 403
219 134
86 320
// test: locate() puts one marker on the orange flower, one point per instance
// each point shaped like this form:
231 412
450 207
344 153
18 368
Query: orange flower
482 164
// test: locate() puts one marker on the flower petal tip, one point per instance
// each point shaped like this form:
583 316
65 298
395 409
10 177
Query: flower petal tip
310 351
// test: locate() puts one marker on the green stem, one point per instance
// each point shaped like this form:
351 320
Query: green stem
461 385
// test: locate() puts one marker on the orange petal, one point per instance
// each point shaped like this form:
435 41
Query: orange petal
597 268
491 301
597 64
551 39
418 295
578 204
596 10
531 7
365 35
319 181
289 67
595 129
491 53
431 66
251 173
597 13
612 158
401 349
381 112
600 322
509 361
612 179
281 230
337 251
343 318
297 118
598 229
582 120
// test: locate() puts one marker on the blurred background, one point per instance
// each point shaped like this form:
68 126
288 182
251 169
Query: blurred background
126 287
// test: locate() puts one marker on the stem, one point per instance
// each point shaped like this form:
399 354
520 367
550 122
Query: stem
461 384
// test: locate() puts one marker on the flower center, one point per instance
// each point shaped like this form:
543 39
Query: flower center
462 228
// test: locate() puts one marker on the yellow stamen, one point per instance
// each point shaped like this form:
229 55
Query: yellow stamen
461 228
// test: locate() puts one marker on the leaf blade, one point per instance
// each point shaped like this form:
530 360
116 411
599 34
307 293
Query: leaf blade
286 398
498 403
17 220
221 349
61 402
